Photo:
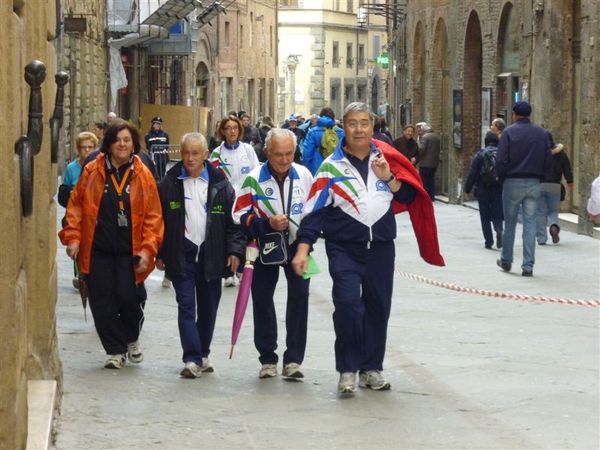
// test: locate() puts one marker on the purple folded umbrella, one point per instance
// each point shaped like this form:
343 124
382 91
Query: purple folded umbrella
243 293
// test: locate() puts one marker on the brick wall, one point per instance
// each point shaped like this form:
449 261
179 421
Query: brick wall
557 60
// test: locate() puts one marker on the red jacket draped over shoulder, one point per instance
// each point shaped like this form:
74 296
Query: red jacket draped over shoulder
420 209
147 225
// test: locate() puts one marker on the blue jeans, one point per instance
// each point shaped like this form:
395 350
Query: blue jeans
521 193
547 210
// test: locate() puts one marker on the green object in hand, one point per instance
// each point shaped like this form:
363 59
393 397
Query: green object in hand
312 268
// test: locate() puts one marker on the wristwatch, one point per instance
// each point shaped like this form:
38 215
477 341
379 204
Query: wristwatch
390 179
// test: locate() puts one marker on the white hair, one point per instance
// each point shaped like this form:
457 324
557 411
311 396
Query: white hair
190 138
279 132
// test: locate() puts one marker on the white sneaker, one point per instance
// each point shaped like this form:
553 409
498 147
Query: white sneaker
191 370
134 352
166 283
268 371
373 379
230 281
347 383
292 371
207 366
115 361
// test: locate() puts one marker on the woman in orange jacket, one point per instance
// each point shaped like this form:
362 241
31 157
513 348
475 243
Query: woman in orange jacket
113 229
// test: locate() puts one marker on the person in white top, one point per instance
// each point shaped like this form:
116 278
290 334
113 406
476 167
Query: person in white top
593 206
235 159
273 199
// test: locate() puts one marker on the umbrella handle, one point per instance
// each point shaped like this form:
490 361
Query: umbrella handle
251 252
231 351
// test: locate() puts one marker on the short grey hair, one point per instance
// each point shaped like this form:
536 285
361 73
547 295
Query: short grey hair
190 138
499 123
279 132
358 107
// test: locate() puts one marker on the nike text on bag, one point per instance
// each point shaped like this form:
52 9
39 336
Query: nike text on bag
488 168
273 248
329 142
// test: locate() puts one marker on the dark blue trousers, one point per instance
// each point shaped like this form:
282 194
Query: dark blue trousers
428 176
490 211
363 281
198 301
265 319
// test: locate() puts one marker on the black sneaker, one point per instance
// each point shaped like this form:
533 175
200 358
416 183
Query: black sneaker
503 265
527 273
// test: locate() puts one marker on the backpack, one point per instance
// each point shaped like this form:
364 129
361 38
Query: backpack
487 174
329 142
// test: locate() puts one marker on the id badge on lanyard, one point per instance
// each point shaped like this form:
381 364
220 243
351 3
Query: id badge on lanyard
122 220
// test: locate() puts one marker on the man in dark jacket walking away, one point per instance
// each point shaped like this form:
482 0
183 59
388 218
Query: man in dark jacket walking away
428 158
488 190
201 245
522 161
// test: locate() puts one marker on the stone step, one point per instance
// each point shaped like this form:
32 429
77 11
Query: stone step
41 402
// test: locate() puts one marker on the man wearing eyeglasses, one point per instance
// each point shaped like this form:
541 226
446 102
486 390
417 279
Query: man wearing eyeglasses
352 203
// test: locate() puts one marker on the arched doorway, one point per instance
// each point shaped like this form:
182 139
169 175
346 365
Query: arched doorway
440 101
471 138
202 84
418 75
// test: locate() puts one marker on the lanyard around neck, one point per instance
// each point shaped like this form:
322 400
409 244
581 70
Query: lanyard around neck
119 187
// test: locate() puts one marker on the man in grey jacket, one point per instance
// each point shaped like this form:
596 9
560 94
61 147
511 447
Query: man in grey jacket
428 158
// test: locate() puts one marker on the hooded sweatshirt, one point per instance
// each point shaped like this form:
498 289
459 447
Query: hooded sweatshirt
311 146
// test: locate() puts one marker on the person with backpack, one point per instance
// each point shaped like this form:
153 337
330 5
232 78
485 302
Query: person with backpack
321 140
488 190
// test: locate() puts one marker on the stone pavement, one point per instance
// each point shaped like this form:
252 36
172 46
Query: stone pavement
467 371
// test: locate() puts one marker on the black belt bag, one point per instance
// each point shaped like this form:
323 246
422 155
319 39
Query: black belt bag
274 248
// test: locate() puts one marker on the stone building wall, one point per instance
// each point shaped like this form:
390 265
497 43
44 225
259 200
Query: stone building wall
85 57
28 271
549 49
246 59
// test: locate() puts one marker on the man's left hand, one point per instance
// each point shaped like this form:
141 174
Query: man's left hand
381 168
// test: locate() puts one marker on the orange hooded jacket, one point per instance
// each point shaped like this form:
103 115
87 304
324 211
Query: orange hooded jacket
147 225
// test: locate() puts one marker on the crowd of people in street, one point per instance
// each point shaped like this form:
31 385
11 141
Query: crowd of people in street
516 177
129 210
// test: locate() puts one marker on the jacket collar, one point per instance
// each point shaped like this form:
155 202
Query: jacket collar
338 154
265 174
203 175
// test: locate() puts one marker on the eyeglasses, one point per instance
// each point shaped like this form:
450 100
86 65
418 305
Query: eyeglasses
86 147
231 128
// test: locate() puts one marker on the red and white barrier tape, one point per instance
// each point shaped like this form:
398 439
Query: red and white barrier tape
501 295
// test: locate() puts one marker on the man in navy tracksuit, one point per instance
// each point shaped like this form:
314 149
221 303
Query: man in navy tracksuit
273 198
201 245
350 202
